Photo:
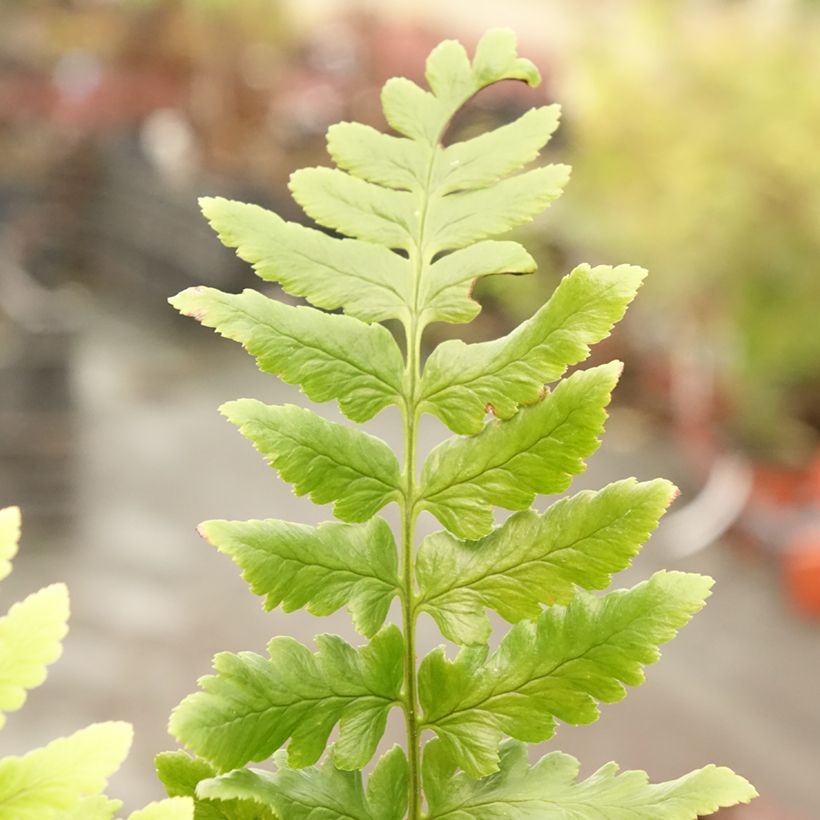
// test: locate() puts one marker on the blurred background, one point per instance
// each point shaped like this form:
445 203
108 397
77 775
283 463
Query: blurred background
694 132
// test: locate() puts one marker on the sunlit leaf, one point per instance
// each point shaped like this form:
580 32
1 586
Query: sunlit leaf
48 782
319 568
550 789
31 637
557 667
253 705
538 450
329 461
536 559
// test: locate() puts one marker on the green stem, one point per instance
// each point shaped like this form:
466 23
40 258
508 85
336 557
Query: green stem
418 259
408 515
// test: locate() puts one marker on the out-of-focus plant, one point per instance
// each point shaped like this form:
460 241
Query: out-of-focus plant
695 135
66 778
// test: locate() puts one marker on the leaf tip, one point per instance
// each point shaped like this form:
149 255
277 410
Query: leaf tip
210 204
235 410
204 530
187 302
11 516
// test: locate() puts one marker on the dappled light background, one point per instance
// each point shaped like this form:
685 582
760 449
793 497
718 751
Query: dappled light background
692 128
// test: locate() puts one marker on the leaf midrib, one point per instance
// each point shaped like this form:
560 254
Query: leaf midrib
542 558
314 346
321 454
470 479
481 705
510 341
314 563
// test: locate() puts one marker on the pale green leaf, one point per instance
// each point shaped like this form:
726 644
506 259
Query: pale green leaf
374 156
330 356
48 782
252 705
329 461
357 208
538 450
319 793
446 286
536 559
414 112
368 281
31 637
461 382
449 74
485 159
423 115
496 59
173 808
314 793
456 220
556 667
319 568
9 538
180 774
550 789
387 786
98 807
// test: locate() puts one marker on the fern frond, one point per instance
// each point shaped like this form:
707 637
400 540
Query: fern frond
419 222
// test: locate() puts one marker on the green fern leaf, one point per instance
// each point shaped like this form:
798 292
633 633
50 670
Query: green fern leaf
461 381
459 219
48 782
332 357
446 292
319 568
536 559
536 451
180 774
423 115
549 789
356 208
387 786
371 155
252 705
554 668
98 807
319 793
31 637
485 159
368 281
327 460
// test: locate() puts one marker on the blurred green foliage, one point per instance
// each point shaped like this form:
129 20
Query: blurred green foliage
694 138
692 128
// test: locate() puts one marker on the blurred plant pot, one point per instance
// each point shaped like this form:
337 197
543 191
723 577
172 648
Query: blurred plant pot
801 566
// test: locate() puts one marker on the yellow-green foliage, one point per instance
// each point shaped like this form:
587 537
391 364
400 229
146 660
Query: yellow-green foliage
694 139
64 779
